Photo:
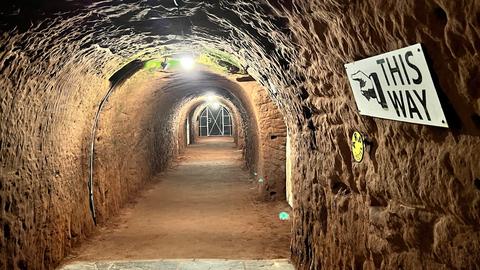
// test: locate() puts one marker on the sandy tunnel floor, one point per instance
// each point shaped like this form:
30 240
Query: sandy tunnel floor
204 207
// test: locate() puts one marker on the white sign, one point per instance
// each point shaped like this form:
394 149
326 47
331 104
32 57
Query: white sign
396 85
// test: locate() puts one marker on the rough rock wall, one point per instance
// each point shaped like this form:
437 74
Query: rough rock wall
270 167
135 141
45 129
414 202
45 141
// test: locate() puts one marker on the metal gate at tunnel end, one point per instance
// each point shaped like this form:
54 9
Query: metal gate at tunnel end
215 120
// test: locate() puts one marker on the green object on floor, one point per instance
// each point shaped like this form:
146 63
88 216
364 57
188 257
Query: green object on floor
284 216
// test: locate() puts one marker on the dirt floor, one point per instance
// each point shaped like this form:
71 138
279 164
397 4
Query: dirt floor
204 207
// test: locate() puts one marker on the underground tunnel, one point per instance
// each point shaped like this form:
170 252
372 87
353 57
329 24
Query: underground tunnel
283 134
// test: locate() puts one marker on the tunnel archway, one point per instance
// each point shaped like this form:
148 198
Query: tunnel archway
192 113
167 105
237 123
177 99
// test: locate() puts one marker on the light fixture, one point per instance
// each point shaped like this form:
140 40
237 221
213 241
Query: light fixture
187 62
212 101
210 97
215 105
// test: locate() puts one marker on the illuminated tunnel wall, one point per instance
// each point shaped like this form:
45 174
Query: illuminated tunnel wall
412 203
150 109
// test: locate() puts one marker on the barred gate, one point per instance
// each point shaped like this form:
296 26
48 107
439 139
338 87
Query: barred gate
215 120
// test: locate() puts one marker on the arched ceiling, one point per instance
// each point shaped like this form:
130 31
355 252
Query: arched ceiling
152 28
101 37
56 58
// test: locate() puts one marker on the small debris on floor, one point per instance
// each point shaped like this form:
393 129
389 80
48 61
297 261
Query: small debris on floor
283 216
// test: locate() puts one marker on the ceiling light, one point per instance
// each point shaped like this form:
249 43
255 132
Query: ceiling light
215 105
187 62
210 97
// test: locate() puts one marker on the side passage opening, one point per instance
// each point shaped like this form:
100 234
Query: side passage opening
215 120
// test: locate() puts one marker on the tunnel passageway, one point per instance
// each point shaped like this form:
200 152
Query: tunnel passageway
363 115
203 207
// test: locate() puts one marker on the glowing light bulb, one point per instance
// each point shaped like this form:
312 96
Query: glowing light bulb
215 105
210 97
187 62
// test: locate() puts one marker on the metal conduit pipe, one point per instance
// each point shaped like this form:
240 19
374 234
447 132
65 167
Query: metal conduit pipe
115 80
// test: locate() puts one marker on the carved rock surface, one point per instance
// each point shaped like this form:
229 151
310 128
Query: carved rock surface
413 203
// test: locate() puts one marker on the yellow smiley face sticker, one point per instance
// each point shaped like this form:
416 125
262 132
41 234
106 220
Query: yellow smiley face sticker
358 146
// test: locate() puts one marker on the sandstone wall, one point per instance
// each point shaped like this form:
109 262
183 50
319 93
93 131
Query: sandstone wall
46 119
412 203
270 168
135 141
